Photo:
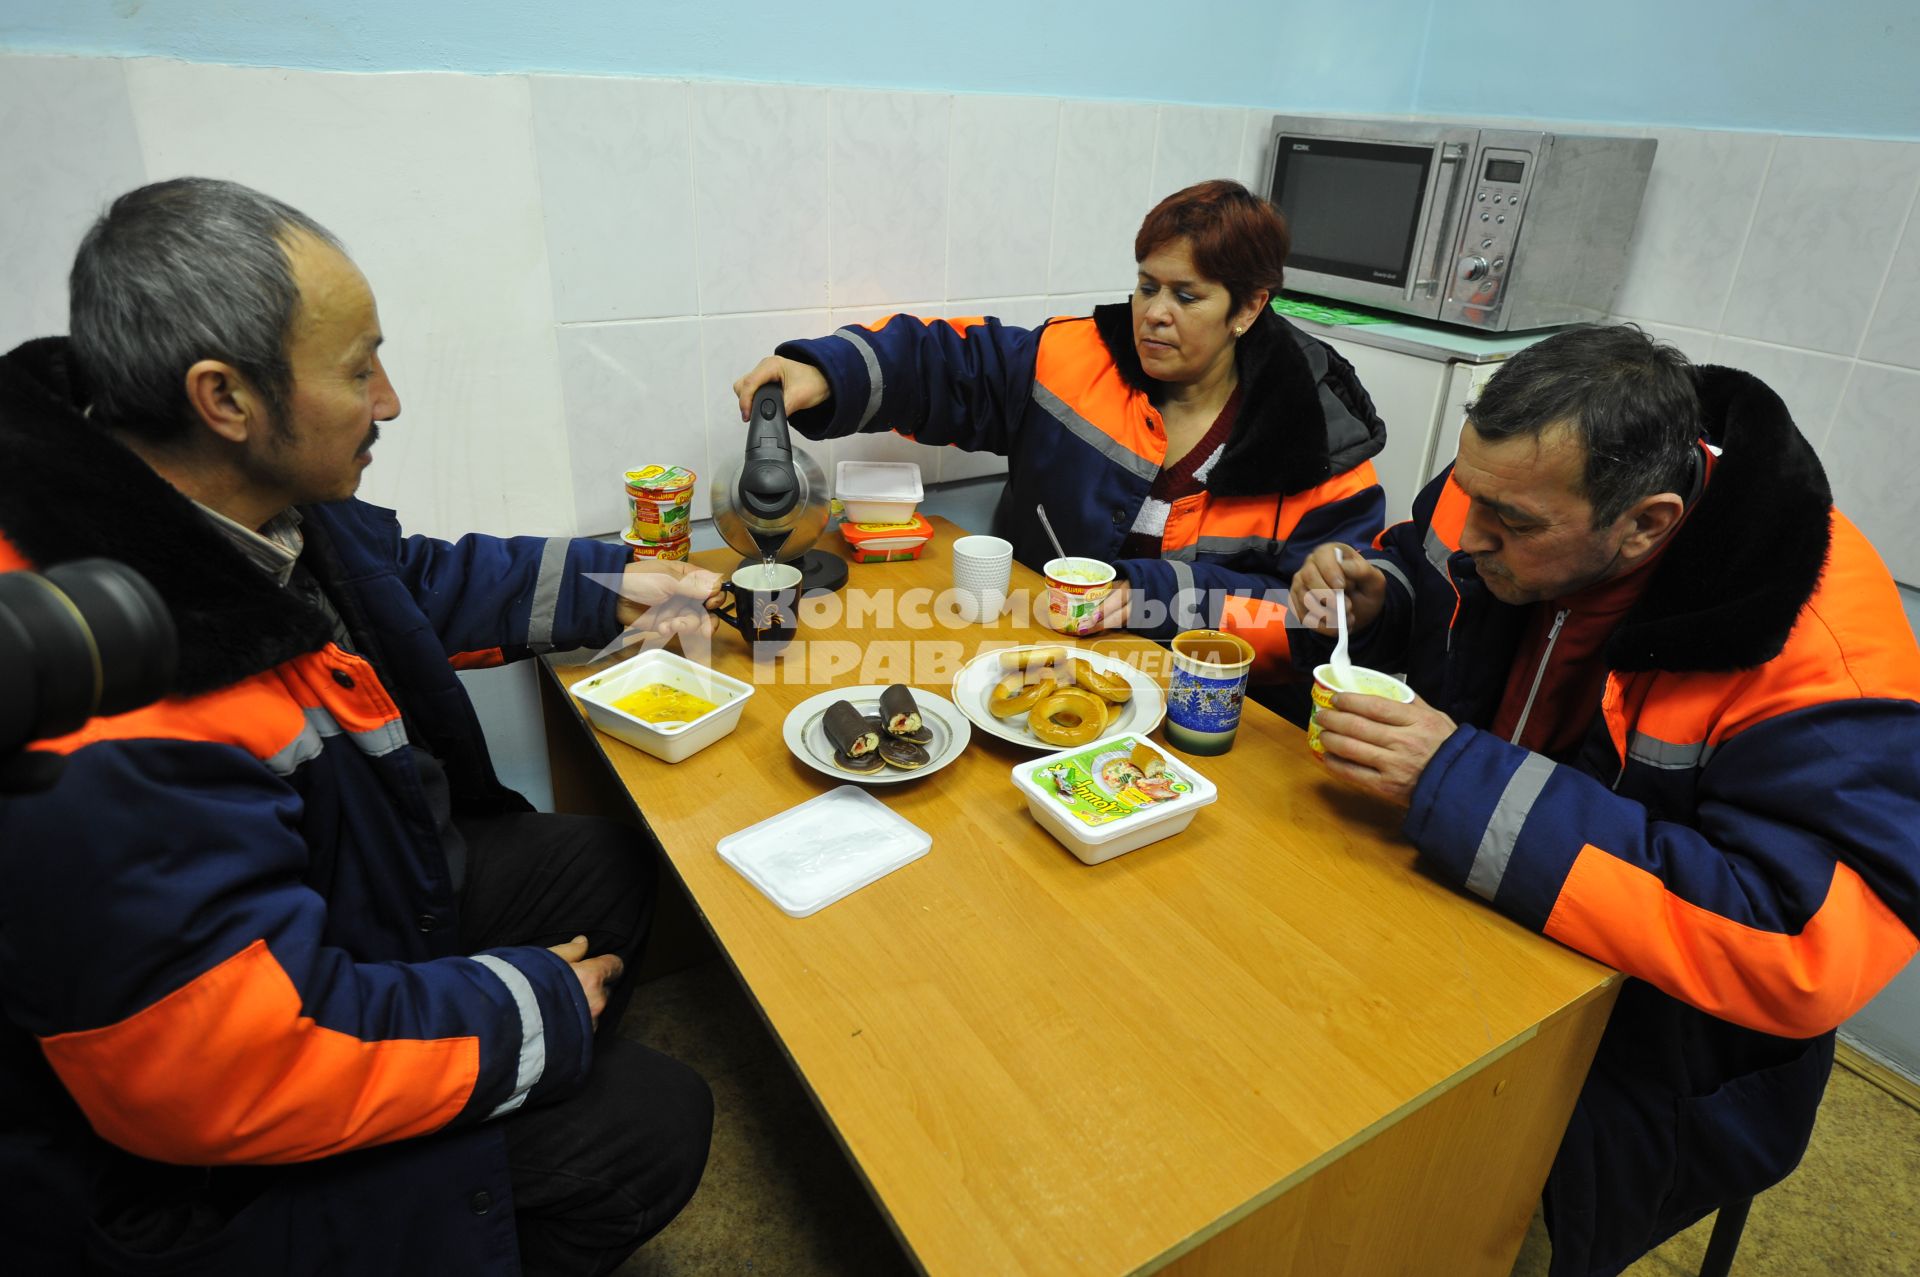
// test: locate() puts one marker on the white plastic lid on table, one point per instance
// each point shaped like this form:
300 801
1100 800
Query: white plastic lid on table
826 848
878 481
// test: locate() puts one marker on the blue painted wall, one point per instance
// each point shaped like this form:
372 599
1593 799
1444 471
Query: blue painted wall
1360 55
1804 66
1792 66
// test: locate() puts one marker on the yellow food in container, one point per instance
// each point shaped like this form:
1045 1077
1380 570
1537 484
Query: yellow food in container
660 703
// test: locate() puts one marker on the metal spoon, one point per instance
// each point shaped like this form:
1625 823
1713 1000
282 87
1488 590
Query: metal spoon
1058 553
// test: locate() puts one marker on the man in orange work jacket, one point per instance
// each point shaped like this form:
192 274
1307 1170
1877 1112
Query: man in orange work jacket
1668 714
290 982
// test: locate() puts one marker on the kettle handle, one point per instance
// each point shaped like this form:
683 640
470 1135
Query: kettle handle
768 424
768 486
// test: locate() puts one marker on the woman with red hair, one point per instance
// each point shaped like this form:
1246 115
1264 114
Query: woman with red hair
1192 438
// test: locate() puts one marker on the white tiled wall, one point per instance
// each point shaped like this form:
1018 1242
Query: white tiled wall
1100 191
431 182
572 271
1000 179
1798 259
67 146
624 180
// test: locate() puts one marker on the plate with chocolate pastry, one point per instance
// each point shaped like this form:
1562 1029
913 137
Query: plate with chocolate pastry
877 734
1054 696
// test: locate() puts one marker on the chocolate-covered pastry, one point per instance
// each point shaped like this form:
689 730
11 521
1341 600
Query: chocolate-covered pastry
904 754
900 715
849 731
865 765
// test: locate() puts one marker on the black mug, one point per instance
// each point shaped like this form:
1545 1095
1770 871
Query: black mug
762 602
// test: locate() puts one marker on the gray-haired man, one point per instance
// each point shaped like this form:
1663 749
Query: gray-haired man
291 982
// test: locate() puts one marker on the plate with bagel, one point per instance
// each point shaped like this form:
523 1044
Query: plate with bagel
1055 696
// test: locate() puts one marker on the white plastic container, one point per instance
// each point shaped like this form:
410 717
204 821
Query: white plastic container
826 848
669 743
1122 816
878 491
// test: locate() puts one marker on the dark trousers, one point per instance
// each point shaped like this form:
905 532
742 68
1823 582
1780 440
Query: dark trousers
599 1172
1641 1161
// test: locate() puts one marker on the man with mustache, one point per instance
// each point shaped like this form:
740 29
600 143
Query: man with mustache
1669 715
291 982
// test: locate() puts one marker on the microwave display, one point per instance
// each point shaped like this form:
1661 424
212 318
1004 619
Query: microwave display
1353 207
1505 170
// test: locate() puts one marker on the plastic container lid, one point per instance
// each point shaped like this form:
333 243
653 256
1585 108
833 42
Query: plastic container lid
660 479
828 847
877 481
1093 799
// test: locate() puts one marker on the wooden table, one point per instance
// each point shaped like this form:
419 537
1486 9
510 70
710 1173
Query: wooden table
1269 1044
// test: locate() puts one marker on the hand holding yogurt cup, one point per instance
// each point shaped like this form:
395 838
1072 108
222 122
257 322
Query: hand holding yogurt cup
1078 590
1373 732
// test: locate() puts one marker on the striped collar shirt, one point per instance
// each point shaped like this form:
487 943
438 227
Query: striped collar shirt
274 549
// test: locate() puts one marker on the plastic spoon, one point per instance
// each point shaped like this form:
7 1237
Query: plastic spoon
1342 667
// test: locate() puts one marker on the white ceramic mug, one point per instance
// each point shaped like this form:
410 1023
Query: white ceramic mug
982 574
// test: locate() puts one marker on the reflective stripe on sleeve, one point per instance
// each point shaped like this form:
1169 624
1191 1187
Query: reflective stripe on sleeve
1503 827
546 594
533 1031
1392 569
876 384
1189 603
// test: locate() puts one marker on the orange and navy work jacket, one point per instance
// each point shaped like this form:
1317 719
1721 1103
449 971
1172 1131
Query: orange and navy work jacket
1740 829
1069 406
228 933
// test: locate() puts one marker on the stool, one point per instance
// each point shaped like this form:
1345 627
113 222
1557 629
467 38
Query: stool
1727 1226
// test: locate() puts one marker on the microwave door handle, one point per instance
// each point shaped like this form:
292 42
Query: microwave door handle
1446 188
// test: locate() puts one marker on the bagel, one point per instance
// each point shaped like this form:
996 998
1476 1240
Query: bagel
1014 695
1109 687
1071 716
1027 658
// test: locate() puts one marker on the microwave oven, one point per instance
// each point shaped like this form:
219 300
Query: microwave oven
1489 228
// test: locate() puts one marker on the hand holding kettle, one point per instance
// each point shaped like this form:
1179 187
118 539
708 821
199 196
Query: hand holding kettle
803 385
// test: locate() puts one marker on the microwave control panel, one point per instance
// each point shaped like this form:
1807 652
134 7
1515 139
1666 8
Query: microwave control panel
1489 231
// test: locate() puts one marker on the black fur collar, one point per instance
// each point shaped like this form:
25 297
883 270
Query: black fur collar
1282 441
1728 590
68 490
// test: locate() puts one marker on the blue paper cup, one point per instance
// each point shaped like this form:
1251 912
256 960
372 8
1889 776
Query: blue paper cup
1208 685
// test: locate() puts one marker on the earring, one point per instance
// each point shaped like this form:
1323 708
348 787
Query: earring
1240 332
